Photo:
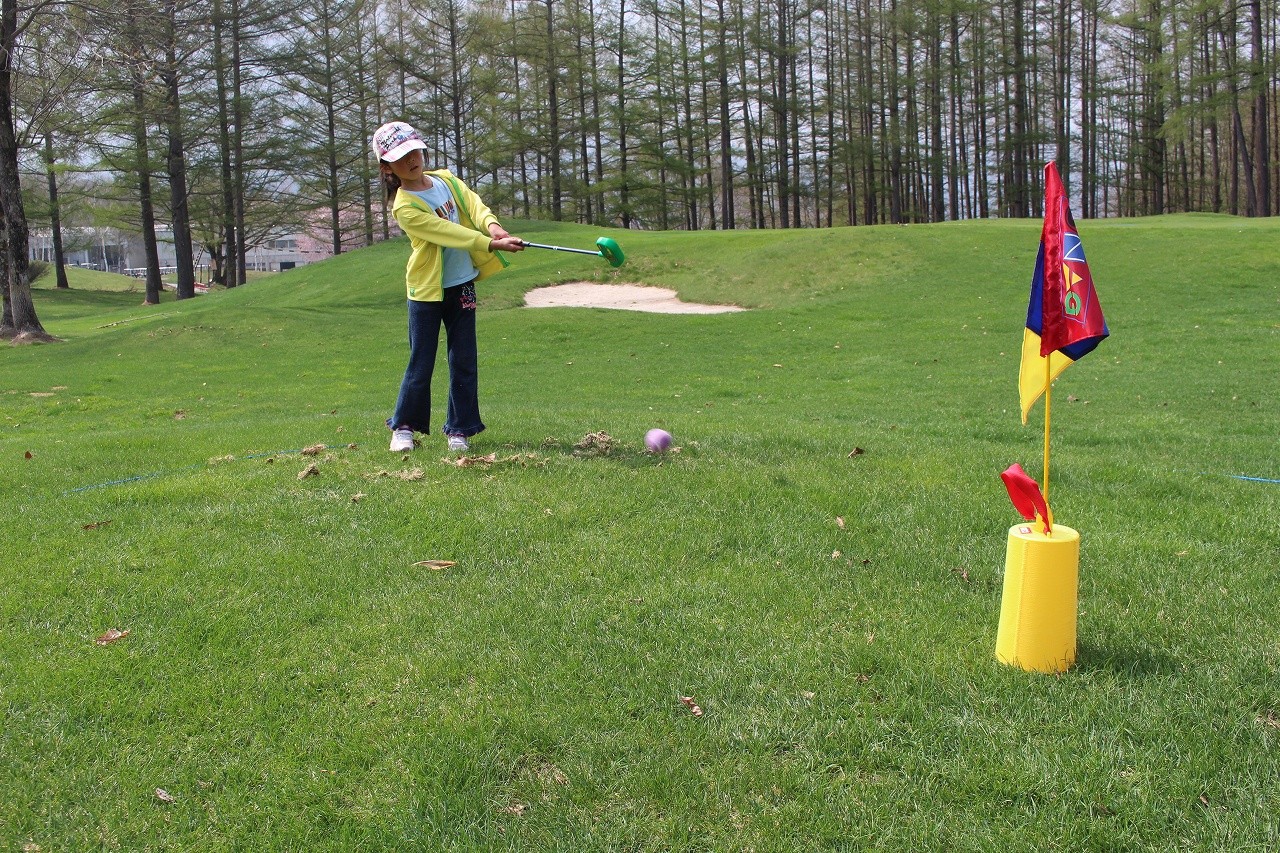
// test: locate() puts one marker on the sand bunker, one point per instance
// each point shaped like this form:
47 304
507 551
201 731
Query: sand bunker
624 297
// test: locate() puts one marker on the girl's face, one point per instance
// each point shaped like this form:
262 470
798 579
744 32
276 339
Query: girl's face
408 168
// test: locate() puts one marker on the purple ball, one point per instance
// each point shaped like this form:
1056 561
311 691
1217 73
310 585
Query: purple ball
657 440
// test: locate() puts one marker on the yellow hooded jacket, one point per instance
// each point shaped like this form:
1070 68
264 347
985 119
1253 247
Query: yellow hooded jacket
428 234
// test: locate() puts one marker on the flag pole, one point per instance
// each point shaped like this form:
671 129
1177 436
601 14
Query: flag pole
1048 393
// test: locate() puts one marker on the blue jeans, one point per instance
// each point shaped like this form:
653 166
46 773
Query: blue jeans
457 313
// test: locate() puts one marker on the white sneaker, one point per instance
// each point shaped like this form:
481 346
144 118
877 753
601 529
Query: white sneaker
458 444
401 440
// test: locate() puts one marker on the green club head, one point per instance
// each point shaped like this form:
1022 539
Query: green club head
610 251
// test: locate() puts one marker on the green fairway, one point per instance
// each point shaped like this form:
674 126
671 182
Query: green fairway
819 567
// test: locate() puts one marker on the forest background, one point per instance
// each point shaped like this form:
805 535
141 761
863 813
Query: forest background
233 120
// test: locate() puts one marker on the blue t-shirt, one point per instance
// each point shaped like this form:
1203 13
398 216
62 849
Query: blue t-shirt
458 268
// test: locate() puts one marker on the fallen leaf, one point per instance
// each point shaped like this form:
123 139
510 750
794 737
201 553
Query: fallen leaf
180 415
111 636
516 809
31 847
840 521
311 470
962 572
313 450
407 475
469 461
693 706
164 796
351 446
807 694
1270 720
357 497
857 451
594 443
28 456
96 524
410 474
436 565
835 555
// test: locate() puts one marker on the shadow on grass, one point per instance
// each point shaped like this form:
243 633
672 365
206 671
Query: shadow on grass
1124 660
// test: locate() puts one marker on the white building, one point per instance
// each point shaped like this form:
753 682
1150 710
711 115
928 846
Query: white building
111 250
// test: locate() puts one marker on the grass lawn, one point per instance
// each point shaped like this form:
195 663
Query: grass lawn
292 680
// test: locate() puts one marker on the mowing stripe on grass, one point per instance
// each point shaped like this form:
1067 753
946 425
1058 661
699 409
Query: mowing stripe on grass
163 473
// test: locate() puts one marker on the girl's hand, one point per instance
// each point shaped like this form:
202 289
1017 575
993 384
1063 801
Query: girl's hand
506 244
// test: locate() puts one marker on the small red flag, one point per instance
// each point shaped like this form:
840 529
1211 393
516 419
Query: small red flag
1026 496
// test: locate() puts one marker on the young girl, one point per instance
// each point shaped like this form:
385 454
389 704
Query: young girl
452 237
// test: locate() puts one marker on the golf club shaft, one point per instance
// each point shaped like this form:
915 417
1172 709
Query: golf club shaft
559 248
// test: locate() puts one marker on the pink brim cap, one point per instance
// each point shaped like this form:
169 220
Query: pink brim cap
404 148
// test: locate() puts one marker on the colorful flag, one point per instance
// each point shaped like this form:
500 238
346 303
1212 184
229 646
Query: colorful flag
1064 317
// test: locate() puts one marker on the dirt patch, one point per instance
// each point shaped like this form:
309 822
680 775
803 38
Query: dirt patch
25 338
624 297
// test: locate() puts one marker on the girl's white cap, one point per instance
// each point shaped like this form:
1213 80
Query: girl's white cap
394 140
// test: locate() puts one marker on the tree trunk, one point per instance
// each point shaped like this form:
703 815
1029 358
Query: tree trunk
870 206
690 177
241 251
553 113
1019 144
19 320
586 119
937 156
664 222
55 215
893 133
597 120
367 174
177 162
782 122
624 191
1261 150
145 199
755 211
223 261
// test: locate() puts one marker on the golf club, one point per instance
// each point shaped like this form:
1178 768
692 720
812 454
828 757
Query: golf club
606 247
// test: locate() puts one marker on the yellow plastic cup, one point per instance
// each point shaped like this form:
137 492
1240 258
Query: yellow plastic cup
1038 606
